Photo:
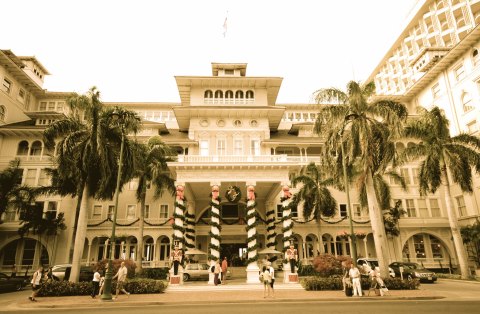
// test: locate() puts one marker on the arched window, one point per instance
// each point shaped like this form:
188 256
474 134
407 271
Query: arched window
218 94
208 94
164 249
148 250
36 149
239 97
229 97
22 149
2 113
249 94
467 102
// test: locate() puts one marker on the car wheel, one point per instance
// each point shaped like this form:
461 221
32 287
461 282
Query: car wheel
186 277
19 287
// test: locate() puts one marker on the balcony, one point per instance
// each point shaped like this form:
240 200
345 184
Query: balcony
231 159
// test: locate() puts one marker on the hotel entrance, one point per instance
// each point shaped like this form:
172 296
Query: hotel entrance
236 254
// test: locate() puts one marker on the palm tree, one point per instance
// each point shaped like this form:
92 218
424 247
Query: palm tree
314 194
366 126
151 168
445 160
87 156
12 193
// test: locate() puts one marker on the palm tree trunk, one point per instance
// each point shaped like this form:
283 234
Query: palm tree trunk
378 229
80 237
141 225
452 220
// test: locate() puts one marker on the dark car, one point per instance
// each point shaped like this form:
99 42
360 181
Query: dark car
413 270
11 284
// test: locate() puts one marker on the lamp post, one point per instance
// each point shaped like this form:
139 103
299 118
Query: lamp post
353 237
107 290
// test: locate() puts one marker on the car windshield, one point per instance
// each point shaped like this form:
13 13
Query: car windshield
374 263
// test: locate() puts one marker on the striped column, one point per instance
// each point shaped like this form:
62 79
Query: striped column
215 228
252 245
190 226
179 217
271 234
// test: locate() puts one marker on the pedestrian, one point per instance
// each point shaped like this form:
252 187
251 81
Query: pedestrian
14 271
50 274
354 274
95 283
121 277
272 277
102 279
267 279
36 283
216 272
224 270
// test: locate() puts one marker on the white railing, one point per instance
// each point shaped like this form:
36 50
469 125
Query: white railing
248 159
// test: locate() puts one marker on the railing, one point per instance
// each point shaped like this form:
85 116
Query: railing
249 159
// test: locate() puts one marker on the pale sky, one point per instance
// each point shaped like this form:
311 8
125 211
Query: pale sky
132 49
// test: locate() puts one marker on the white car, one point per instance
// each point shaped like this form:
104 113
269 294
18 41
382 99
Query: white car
366 264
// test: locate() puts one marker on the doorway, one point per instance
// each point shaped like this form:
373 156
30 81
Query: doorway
236 253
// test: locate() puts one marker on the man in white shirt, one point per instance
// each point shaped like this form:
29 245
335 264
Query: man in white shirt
121 277
354 274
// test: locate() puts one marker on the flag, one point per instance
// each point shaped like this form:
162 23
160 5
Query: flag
225 27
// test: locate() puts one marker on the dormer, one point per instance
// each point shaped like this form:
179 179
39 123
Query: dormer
34 69
229 69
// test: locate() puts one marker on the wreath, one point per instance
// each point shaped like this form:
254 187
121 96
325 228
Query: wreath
233 194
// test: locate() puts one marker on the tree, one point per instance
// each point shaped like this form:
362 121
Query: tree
471 237
87 156
445 160
314 193
366 126
151 168
12 193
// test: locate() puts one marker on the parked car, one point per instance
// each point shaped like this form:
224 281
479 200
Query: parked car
12 284
366 264
62 272
414 270
197 271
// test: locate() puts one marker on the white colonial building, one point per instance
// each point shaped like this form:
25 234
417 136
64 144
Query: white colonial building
229 131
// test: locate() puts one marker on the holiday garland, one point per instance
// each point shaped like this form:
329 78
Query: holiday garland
190 230
215 228
287 223
252 222
178 220
271 234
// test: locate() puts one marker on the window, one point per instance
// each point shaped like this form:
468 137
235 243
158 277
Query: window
462 209
203 147
36 149
436 91
43 106
230 211
436 247
51 106
294 212
467 102
111 209
43 179
146 213
97 212
133 184
419 246
2 113
472 127
405 175
415 175
411 212
164 211
249 94
229 72
6 86
343 210
237 123
357 211
60 106
30 177
229 97
221 147
131 209
435 207
238 146
459 73
422 207
208 94
279 211
22 149
51 212
255 147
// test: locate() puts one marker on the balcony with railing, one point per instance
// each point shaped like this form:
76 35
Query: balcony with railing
247 159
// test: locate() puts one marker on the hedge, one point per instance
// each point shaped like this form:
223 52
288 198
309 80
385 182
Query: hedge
67 288
335 283
154 273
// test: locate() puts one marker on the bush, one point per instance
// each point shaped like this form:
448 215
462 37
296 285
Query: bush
335 283
154 273
326 265
67 288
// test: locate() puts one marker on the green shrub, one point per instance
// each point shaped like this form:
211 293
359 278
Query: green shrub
67 288
335 283
154 273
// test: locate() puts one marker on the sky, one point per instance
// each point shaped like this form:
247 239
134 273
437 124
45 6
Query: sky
131 50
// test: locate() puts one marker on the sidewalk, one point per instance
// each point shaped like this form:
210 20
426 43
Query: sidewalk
204 294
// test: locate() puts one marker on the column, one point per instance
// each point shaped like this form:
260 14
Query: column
252 245
214 247
271 234
190 226
287 232
178 229
88 253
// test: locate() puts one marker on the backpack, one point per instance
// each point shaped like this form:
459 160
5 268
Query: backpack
261 277
212 269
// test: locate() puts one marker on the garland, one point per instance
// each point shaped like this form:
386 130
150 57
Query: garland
179 235
271 234
215 228
252 222
189 230
117 224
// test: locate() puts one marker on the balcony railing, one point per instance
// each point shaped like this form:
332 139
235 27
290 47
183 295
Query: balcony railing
247 159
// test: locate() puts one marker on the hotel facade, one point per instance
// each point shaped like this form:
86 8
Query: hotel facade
229 131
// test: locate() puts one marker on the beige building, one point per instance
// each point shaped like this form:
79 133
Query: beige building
229 131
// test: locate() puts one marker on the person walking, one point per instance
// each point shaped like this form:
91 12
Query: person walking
272 277
267 279
121 277
354 274
216 272
95 283
50 274
36 283
102 279
224 270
